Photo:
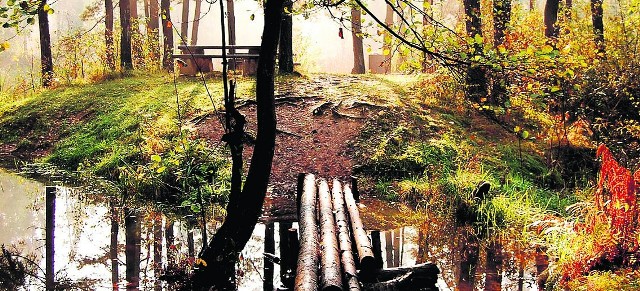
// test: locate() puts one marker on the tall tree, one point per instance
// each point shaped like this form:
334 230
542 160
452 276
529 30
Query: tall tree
501 18
126 62
133 7
46 61
386 42
184 26
551 29
167 33
244 208
598 26
196 23
476 79
153 26
356 35
108 34
285 57
427 6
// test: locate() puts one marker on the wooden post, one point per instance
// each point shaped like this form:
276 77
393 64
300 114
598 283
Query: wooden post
113 247
50 197
286 257
365 252
331 278
388 239
377 248
269 247
344 237
354 188
299 189
307 271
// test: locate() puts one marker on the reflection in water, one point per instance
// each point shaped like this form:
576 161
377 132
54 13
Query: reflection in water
84 253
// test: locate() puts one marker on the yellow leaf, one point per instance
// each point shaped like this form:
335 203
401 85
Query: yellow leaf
386 52
200 261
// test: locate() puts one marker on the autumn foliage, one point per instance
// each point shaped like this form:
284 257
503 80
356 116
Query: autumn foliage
613 227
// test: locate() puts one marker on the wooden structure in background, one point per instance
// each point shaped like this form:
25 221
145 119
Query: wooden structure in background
194 59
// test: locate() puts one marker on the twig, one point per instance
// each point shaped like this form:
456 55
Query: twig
287 132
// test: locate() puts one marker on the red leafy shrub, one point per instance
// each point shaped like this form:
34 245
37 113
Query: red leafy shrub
613 227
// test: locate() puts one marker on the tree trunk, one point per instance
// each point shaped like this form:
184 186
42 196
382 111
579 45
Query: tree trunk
154 12
356 35
133 7
132 248
598 26
551 29
331 278
386 42
136 40
126 63
50 227
501 18
476 79
285 60
244 210
113 247
196 23
427 5
184 26
167 33
307 270
153 33
108 35
231 30
344 237
147 15
46 60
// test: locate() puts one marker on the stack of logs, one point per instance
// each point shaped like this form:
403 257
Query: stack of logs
328 259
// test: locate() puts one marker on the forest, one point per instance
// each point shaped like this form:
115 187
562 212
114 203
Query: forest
319 145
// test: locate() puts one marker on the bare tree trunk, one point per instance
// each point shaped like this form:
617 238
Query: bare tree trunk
196 23
46 60
136 39
184 26
476 79
154 12
167 33
126 62
386 42
231 29
551 29
108 34
501 18
146 11
133 6
427 5
356 35
285 60
598 26
243 210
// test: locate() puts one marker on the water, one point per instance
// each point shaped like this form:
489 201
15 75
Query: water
85 242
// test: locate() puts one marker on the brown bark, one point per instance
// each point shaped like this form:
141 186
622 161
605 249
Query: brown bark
231 30
126 62
365 251
285 53
551 29
344 237
356 35
108 35
476 79
196 23
244 210
184 26
133 6
306 273
167 33
386 43
46 60
331 277
598 26
154 14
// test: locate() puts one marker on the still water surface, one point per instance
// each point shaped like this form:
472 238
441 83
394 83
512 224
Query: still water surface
84 240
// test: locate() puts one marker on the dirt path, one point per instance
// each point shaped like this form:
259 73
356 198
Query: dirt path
316 124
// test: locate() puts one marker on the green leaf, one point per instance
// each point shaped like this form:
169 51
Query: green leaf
252 17
525 134
478 39
555 89
156 158
161 170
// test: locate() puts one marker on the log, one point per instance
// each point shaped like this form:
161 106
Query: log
344 237
418 277
331 275
365 251
307 271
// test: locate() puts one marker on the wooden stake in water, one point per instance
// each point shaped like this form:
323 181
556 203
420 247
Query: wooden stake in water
50 197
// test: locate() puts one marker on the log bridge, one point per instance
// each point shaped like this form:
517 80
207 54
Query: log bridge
335 252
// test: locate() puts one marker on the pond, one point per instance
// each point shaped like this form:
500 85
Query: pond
89 231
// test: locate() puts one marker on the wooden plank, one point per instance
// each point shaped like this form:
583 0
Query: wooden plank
331 275
218 47
210 56
344 237
307 271
365 252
